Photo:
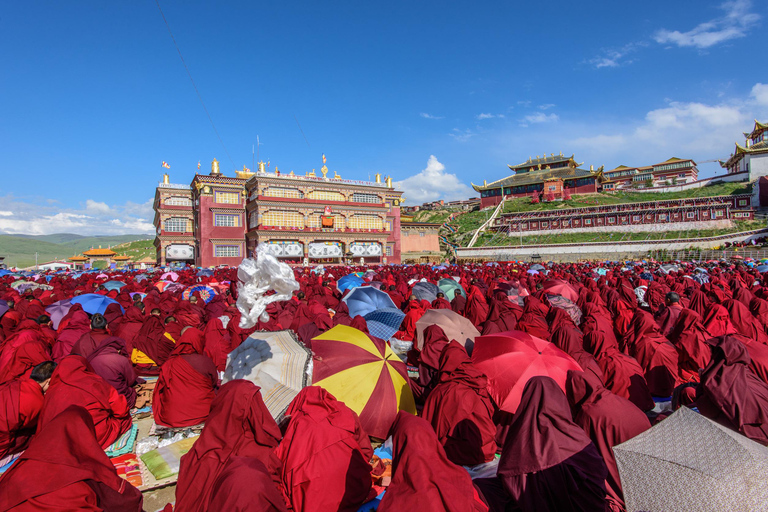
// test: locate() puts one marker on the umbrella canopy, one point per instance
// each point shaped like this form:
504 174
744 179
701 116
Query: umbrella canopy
142 295
569 307
206 292
276 362
558 287
349 281
168 286
365 374
762 268
537 266
511 358
141 277
450 288
366 299
425 291
719 469
23 286
455 327
384 322
533 272
4 272
737 257
58 310
205 272
113 285
94 303
170 276
3 307
102 276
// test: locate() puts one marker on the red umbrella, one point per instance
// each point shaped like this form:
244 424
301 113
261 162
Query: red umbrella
558 287
509 359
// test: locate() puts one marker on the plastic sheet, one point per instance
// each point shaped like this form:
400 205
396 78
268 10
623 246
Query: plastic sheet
257 276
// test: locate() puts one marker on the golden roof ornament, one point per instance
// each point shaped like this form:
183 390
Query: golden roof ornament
215 167
336 175
311 174
324 170
166 179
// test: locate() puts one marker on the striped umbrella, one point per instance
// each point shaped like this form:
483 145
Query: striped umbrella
363 373
206 292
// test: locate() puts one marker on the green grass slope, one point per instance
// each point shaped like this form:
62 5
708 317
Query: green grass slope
19 251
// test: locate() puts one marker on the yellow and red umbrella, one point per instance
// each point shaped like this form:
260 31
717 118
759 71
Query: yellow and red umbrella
365 374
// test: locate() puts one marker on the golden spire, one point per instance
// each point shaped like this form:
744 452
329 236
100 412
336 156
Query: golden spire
166 179
215 167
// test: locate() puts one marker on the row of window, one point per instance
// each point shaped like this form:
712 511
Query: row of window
226 197
294 219
226 251
178 201
669 167
320 195
635 218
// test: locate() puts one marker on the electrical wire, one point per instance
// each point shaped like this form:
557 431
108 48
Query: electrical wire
199 96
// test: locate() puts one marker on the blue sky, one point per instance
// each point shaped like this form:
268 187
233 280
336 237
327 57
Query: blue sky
436 94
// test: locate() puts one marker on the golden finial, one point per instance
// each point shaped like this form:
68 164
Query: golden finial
311 174
389 181
378 177
336 175
289 174
166 179
261 167
324 170
215 167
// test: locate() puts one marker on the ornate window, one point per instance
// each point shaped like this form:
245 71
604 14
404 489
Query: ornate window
226 220
326 195
178 201
282 219
359 197
227 197
365 222
293 193
177 225
226 251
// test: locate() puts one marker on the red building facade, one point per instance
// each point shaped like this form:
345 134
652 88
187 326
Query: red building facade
674 171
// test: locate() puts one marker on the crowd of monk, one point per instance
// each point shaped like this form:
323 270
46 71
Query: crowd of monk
642 336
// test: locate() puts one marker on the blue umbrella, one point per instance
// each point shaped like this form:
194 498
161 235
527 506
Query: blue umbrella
205 272
94 303
384 322
762 268
4 272
113 285
450 288
3 307
425 291
349 281
141 277
366 299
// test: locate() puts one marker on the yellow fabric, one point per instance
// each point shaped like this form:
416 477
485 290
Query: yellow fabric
405 401
139 357
353 386
167 335
352 336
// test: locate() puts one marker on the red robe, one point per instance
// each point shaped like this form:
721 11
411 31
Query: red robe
75 383
245 484
24 359
20 405
545 453
460 409
187 384
239 425
65 468
608 420
217 343
324 455
656 355
423 479
690 339
477 308
78 325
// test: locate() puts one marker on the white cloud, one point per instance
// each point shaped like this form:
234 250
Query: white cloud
462 135
546 106
433 183
615 57
429 116
480 117
96 218
734 24
539 117
760 94
96 207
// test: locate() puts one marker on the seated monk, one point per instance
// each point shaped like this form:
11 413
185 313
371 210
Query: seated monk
440 302
14 365
187 383
20 404
460 409
423 479
69 334
239 432
109 359
325 455
24 359
608 420
65 468
546 453
75 383
151 347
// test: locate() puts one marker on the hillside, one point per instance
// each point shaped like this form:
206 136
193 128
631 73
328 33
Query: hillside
19 250
463 224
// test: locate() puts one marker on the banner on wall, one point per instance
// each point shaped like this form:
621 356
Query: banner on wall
319 250
363 249
179 252
287 249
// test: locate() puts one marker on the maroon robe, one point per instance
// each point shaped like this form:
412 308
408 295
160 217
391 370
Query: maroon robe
460 409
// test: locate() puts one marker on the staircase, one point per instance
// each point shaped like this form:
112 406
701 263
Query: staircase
488 222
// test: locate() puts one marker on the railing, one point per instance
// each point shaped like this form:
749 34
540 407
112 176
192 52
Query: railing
173 185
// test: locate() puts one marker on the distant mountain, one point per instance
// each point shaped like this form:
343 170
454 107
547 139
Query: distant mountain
19 250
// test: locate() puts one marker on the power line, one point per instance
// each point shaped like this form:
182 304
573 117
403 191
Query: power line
302 131
194 85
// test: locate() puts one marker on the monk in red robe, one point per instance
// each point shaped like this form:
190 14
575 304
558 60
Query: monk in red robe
24 358
656 355
744 322
717 322
65 468
621 374
608 420
20 404
78 325
239 430
423 479
477 308
730 394
690 339
245 484
460 409
217 342
325 455
187 383
130 326
666 317
440 302
545 452
75 383
26 331
567 337
111 362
